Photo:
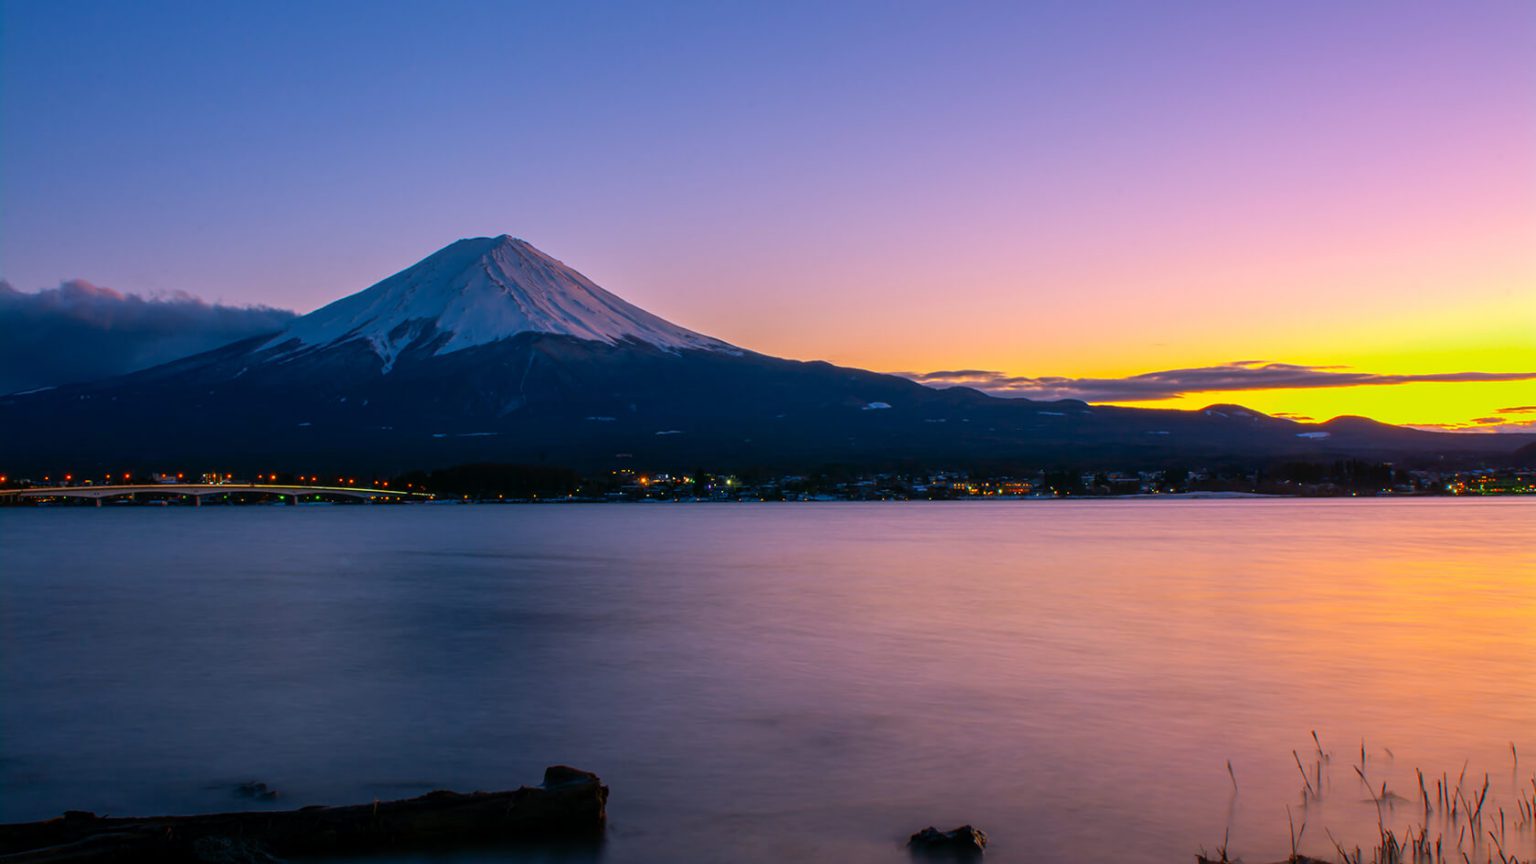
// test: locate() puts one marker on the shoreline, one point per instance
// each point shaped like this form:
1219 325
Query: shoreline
81 502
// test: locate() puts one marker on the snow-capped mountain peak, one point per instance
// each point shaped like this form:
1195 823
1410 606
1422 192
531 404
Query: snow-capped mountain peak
482 290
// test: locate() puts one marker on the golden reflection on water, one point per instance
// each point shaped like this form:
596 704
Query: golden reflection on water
1150 646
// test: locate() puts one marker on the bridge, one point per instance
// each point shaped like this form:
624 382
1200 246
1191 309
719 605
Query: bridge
198 491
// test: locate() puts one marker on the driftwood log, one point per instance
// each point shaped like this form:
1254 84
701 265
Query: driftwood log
571 804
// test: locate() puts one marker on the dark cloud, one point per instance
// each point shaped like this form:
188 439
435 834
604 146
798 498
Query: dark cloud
1174 383
1481 424
1503 420
79 331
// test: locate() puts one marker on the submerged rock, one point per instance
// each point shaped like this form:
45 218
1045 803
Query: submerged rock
962 842
258 791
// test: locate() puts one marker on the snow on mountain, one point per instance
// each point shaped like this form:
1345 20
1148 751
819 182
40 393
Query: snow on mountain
483 290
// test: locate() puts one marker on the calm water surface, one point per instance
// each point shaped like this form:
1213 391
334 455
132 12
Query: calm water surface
782 682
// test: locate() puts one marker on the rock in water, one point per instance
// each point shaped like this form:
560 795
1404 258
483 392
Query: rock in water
259 791
962 842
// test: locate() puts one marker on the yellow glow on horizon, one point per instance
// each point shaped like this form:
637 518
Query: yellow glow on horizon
1456 403
1507 346
1402 404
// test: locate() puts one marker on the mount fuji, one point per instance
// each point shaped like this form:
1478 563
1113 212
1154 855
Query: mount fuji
491 350
478 292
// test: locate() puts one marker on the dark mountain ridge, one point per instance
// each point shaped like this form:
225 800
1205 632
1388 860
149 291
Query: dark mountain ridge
490 351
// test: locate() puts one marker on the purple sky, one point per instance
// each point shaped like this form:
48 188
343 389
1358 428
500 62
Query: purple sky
1042 189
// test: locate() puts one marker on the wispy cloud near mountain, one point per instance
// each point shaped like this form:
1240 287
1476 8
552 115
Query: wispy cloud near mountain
1240 375
79 331
1520 418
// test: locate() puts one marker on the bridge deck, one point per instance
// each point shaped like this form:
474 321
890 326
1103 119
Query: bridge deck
199 490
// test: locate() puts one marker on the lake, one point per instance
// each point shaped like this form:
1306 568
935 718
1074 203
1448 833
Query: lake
786 682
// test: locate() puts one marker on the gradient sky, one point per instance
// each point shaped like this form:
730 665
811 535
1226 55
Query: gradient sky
1086 190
